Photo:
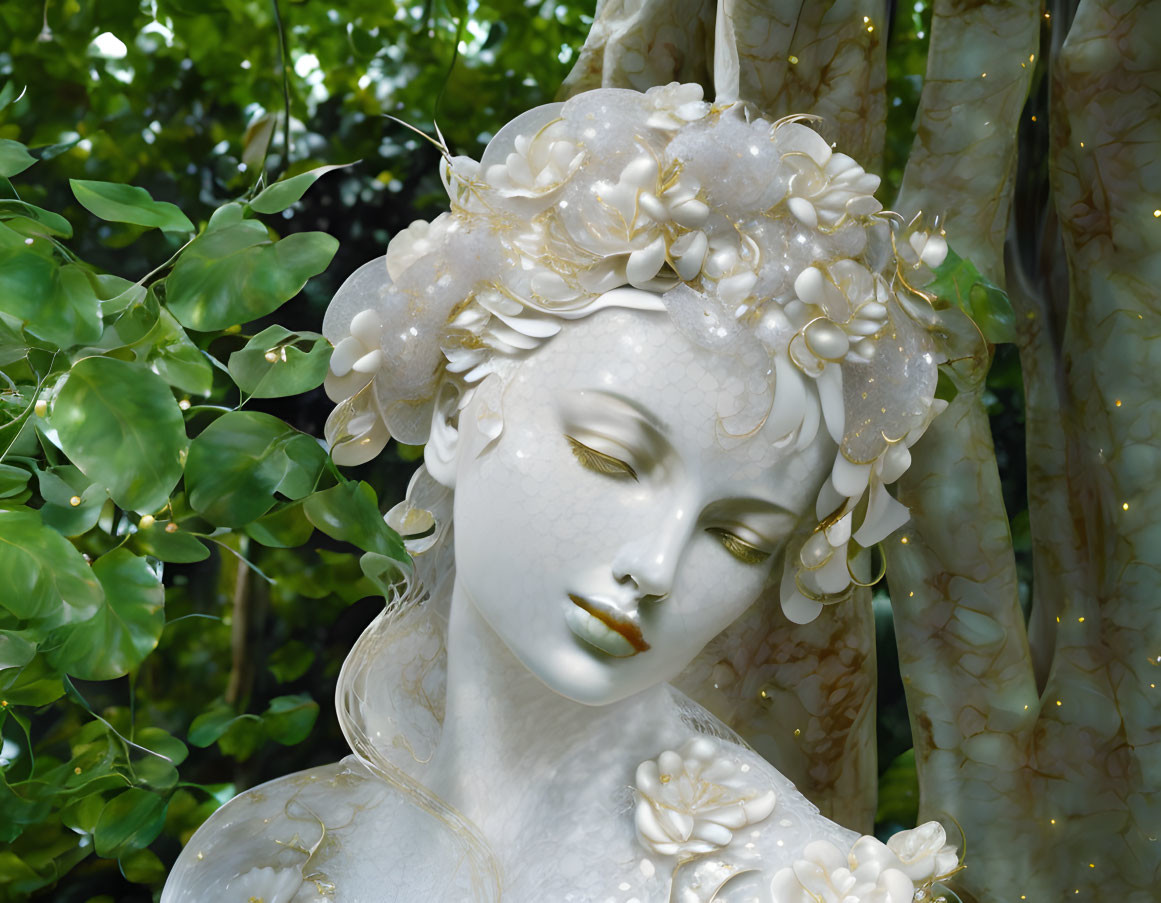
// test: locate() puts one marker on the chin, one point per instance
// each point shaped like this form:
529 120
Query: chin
583 677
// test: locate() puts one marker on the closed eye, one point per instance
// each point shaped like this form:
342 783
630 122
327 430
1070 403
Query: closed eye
738 547
599 462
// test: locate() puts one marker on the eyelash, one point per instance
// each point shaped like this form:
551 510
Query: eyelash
739 548
599 462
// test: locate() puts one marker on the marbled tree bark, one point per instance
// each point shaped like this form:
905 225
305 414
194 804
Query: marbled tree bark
963 650
1056 790
806 695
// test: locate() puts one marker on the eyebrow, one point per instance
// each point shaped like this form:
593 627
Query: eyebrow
757 504
649 418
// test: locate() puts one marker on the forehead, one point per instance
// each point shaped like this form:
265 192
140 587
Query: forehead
712 407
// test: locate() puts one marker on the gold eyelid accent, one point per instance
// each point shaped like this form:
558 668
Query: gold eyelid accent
599 462
738 547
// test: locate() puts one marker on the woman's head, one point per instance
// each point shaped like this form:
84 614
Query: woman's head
633 505
758 246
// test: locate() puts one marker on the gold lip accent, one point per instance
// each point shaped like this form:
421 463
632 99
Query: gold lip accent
626 628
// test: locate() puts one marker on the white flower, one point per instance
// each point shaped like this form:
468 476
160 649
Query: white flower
690 802
264 885
672 106
841 305
826 186
924 853
360 351
648 216
930 249
868 874
417 240
538 165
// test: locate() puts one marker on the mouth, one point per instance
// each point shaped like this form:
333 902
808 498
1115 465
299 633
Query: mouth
602 626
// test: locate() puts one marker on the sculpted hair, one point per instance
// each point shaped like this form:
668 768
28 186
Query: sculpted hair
757 238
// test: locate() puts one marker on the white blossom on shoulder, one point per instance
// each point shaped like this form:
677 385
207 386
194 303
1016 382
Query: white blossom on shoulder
264 885
924 853
869 873
672 106
538 164
690 802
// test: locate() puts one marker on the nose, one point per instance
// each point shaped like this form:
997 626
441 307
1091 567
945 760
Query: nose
650 561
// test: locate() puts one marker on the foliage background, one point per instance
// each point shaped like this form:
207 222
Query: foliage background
187 99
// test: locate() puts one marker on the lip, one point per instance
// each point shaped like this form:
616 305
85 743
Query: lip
601 625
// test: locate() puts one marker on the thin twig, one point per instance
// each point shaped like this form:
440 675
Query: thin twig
241 658
283 55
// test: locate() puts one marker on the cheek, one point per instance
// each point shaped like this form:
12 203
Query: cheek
524 508
713 591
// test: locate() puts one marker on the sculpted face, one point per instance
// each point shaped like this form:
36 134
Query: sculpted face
615 526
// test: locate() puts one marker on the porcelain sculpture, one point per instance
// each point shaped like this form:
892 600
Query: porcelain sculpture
661 353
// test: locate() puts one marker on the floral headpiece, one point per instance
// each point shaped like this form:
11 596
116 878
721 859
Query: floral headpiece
752 233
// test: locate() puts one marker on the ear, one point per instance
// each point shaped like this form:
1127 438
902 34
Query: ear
441 454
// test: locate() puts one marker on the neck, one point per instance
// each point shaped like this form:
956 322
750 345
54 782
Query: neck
506 734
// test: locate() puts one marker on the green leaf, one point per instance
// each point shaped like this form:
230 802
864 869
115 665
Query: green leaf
272 364
14 158
45 577
33 219
234 274
243 737
129 821
35 684
156 773
13 480
138 315
123 631
178 547
277 197
142 867
163 743
899 793
227 215
284 528
176 359
289 719
209 726
16 874
9 93
256 141
15 649
350 512
959 282
59 487
120 424
119 203
240 460
291 661
55 303
82 814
